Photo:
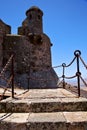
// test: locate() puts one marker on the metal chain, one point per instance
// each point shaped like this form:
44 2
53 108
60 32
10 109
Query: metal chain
57 66
71 77
3 77
59 83
1 86
83 62
5 89
83 81
71 62
6 66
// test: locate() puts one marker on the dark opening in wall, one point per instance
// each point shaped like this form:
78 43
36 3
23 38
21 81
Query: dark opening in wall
39 17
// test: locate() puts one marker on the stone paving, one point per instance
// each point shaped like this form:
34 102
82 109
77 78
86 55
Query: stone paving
46 109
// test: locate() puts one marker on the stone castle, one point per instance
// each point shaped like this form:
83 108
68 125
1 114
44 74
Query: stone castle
32 49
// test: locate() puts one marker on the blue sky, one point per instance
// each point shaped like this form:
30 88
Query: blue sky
64 21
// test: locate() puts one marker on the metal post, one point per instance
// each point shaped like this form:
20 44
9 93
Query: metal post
63 65
12 76
77 54
78 78
29 78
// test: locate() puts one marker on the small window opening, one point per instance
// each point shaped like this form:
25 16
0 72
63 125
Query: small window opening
39 17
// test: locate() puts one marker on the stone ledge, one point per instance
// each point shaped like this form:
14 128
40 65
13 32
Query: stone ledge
44 121
43 105
52 100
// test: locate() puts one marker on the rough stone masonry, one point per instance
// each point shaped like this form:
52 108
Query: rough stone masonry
32 49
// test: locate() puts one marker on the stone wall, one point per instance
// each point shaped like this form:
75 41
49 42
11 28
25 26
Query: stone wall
31 59
26 53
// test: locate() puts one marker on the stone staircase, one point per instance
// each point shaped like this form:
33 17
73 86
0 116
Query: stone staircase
44 109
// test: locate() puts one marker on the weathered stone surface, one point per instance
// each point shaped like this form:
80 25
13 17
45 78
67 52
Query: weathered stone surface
75 116
43 121
16 121
42 106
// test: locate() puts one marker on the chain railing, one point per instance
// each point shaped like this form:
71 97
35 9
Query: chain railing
78 58
9 80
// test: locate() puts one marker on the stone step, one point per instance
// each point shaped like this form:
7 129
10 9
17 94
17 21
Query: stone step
43 105
44 121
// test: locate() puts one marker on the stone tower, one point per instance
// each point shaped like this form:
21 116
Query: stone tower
33 22
32 50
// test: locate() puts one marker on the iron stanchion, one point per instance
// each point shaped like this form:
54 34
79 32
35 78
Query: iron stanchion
63 76
29 78
13 76
77 53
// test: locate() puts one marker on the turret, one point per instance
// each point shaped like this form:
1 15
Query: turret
33 22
